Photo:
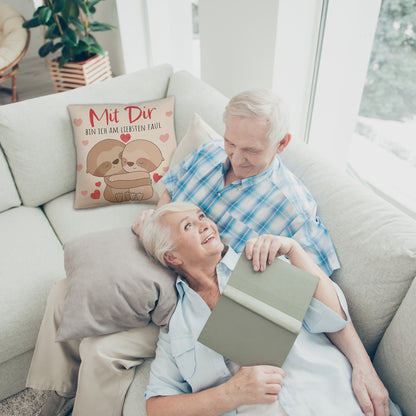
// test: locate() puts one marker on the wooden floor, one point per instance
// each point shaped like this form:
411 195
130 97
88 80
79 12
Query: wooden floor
33 80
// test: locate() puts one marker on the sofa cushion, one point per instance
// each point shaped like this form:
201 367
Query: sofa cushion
195 96
134 404
198 132
31 260
394 359
42 127
122 151
374 241
69 223
113 286
8 192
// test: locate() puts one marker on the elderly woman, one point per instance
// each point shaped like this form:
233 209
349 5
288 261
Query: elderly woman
188 378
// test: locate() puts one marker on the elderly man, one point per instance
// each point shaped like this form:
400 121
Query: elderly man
246 190
242 185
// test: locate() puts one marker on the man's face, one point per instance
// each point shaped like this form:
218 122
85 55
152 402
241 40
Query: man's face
247 146
195 236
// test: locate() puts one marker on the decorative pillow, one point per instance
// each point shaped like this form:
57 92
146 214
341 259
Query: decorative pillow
198 133
122 151
113 285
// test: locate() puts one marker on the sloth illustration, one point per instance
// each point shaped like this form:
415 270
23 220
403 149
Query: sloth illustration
139 158
104 160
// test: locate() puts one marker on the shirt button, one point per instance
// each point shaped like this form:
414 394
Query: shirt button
219 194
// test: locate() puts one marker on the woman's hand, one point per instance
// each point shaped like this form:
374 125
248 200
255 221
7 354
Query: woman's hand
141 219
255 385
264 249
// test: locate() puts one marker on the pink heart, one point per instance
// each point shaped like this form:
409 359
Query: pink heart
77 121
84 193
156 177
125 137
85 142
96 194
169 113
164 137
165 168
79 167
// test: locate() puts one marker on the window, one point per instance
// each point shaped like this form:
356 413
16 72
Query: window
383 147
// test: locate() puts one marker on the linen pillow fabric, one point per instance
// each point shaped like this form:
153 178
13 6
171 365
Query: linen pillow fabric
123 150
113 286
198 132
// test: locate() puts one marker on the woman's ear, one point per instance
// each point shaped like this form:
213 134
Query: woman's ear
171 259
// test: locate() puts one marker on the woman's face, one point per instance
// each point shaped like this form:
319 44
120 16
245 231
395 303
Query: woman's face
195 236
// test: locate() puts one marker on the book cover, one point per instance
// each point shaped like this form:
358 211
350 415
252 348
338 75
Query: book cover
259 314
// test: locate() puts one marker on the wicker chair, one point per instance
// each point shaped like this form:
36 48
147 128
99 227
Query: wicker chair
14 42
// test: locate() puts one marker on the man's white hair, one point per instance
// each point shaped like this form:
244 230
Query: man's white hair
261 104
156 235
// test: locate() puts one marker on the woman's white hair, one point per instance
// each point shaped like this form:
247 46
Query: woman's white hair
156 235
261 103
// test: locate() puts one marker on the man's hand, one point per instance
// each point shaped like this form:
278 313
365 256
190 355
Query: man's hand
141 219
255 385
264 249
370 392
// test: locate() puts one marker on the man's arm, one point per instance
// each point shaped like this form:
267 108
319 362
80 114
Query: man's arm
264 249
368 388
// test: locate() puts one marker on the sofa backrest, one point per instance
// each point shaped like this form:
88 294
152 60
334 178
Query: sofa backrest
36 135
9 196
375 242
195 96
376 245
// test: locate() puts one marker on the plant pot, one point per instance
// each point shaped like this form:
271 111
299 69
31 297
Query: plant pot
78 74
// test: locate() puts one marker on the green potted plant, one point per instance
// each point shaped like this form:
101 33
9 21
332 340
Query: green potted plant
68 32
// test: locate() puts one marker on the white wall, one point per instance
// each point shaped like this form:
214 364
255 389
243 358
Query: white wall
267 44
170 33
238 42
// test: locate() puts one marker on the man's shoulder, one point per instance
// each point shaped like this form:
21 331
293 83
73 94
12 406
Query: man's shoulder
288 183
212 146
209 151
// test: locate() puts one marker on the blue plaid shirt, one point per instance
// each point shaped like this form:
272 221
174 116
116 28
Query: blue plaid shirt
272 202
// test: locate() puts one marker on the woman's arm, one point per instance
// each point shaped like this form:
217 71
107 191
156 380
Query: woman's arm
250 385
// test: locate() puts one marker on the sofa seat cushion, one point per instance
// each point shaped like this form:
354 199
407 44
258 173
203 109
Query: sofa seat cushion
375 242
69 223
9 196
134 404
31 261
47 132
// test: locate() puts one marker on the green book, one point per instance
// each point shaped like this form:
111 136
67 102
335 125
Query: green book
259 314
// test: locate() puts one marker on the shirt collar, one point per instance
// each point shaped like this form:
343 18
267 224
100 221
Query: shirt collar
224 269
252 180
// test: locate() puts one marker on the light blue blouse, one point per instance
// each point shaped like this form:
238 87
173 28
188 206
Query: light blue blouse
317 375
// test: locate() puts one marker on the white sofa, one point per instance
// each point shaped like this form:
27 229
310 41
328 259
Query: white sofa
376 244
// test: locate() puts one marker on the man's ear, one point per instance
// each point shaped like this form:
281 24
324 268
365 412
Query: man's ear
170 258
283 143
